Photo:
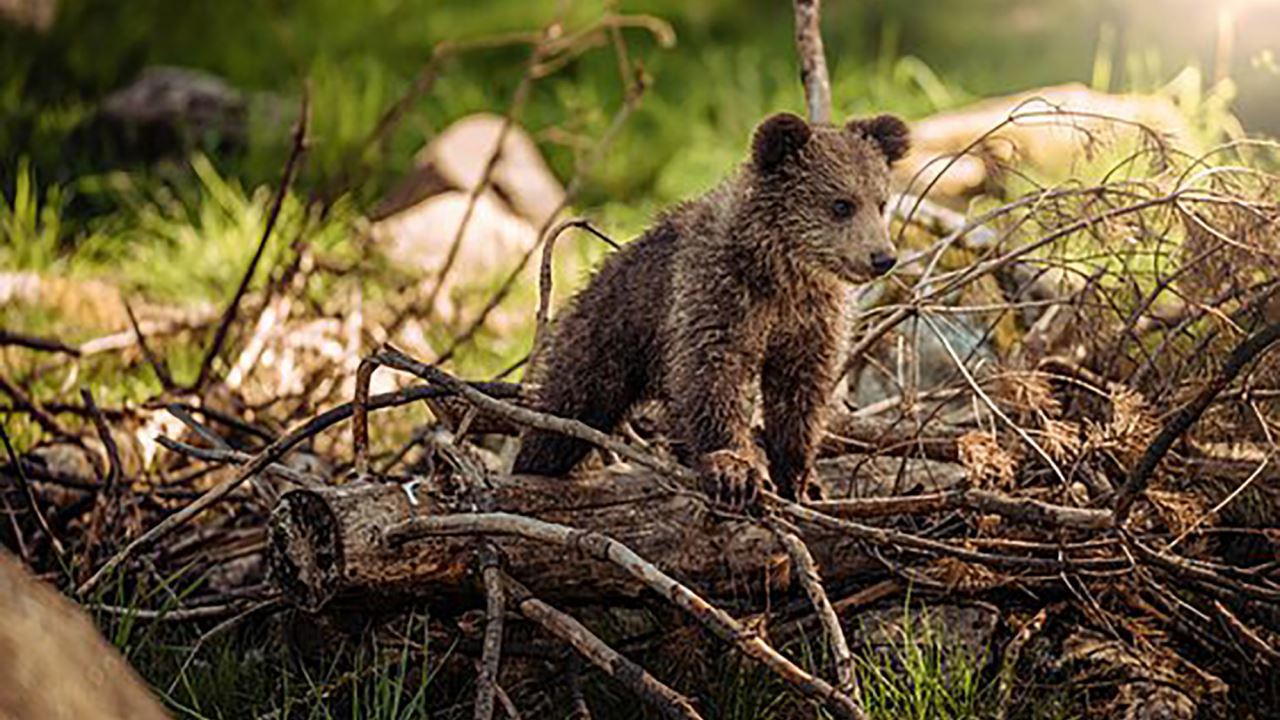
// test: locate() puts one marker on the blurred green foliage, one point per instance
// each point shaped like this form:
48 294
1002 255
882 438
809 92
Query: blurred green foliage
733 63
181 229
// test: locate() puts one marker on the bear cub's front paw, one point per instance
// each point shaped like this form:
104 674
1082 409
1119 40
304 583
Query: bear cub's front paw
734 480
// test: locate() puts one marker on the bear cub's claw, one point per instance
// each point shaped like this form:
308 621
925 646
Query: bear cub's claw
734 482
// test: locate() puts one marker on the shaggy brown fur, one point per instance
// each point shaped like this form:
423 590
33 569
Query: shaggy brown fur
746 284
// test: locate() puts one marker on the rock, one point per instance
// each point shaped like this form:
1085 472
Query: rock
456 159
1043 141
418 239
168 111
416 223
461 153
35 14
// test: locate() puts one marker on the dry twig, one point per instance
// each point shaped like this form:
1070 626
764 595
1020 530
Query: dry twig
1240 358
491 654
31 342
287 176
32 503
158 365
807 570
666 701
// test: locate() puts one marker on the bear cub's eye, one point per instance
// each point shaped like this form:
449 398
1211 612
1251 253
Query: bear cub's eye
843 209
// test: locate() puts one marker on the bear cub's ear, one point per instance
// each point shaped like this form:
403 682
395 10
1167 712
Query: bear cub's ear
888 132
777 138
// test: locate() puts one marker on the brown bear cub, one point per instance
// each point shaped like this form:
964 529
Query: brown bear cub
747 284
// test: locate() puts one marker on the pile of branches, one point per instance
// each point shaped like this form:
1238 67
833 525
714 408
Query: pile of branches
1075 425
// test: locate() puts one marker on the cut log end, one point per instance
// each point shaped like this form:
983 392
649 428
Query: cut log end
307 549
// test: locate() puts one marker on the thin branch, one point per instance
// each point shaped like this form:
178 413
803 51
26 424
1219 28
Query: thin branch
662 698
24 402
543 317
1022 509
115 470
277 203
29 493
197 427
161 369
223 418
31 342
229 456
807 570
1214 575
508 705
14 527
360 417
491 654
1244 354
889 537
1250 636
234 609
813 61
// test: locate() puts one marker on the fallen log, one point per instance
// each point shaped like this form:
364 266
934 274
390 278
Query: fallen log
327 544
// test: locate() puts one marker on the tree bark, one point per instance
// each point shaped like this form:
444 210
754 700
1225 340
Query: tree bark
813 61
327 544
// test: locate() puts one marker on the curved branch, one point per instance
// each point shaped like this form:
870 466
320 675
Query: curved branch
1244 353
668 702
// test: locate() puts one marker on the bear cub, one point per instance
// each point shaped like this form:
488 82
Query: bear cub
745 286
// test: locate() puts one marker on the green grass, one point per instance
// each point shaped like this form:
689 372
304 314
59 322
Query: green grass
247 671
402 673
180 240
919 679
242 676
31 222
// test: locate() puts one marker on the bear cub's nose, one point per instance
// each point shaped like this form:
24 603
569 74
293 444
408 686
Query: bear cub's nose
882 263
